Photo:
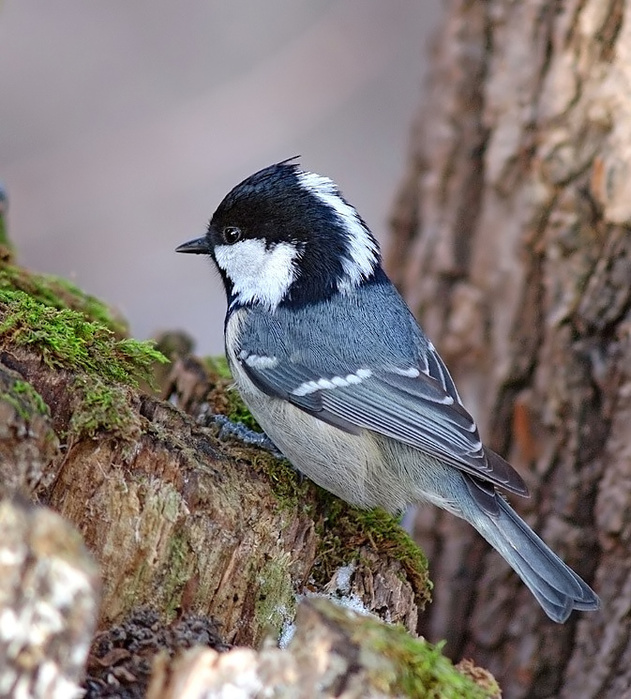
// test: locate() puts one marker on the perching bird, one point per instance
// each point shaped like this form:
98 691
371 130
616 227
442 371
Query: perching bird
336 370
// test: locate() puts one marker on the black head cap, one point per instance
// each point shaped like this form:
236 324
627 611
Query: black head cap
282 203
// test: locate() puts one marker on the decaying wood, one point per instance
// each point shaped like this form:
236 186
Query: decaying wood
332 654
29 447
197 539
186 523
512 239
49 596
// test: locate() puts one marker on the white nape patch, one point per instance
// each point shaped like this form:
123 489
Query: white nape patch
412 372
257 273
308 387
258 361
363 253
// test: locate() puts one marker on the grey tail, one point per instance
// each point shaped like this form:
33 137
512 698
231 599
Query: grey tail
557 588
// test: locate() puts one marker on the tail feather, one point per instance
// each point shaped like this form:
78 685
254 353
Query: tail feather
557 588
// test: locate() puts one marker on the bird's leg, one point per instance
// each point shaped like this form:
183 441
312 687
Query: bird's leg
228 428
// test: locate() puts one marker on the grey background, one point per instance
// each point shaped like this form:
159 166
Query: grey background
123 124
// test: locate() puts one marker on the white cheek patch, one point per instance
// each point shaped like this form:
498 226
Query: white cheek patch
257 273
363 252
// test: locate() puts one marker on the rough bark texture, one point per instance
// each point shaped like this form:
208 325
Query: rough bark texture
512 240
181 521
333 653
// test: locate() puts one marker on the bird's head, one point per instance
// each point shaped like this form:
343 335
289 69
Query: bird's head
285 236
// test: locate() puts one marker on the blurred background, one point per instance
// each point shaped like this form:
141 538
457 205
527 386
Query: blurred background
122 126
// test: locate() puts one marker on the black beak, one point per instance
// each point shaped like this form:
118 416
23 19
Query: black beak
199 246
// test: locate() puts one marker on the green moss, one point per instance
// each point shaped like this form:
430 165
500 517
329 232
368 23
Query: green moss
224 398
76 332
103 407
289 488
67 339
60 294
6 248
343 530
396 664
218 365
25 390
4 236
417 668
25 399
238 412
275 601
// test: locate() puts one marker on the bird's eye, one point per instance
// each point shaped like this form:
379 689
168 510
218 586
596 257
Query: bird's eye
231 234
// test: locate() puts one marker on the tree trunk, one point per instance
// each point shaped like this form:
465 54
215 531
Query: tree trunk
512 241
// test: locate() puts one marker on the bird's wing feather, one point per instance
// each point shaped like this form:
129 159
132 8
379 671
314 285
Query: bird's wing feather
423 410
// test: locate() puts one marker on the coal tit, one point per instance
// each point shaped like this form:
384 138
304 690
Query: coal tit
336 370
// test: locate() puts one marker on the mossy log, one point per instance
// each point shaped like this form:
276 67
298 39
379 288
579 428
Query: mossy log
333 653
180 520
198 531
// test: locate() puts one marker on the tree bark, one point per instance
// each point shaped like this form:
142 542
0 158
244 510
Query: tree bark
512 241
